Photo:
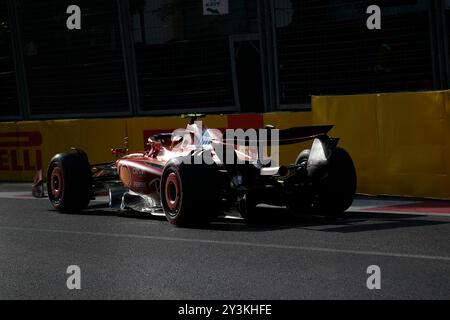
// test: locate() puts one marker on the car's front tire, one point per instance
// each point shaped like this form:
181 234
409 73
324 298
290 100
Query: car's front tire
69 181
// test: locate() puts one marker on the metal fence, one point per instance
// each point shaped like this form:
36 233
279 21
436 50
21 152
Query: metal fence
9 107
139 57
325 47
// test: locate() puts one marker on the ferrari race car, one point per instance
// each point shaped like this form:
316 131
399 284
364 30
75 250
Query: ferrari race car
196 174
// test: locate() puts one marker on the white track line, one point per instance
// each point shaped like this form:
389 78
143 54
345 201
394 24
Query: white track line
233 243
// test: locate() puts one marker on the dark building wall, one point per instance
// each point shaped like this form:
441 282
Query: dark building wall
183 58
72 72
136 57
9 106
324 47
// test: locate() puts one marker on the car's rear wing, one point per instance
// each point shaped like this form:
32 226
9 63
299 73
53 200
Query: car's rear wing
301 134
285 136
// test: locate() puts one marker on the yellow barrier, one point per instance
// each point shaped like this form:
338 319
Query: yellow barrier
400 142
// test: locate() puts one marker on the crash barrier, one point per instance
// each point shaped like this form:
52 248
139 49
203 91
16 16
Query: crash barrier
400 142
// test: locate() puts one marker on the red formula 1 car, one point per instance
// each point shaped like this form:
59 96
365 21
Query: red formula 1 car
194 175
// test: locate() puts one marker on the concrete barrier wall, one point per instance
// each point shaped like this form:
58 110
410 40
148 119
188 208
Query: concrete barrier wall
400 143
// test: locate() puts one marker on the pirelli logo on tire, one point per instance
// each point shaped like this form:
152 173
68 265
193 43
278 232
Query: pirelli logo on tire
20 151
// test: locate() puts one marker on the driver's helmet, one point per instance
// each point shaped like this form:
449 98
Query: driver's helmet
199 134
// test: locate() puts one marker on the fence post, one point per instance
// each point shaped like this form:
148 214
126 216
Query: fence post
19 63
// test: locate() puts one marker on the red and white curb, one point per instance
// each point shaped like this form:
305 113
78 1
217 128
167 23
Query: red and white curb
416 207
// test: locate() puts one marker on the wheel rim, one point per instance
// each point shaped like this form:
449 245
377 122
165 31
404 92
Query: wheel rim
56 183
172 192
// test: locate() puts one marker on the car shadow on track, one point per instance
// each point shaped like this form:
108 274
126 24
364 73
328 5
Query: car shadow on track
355 222
274 218
350 222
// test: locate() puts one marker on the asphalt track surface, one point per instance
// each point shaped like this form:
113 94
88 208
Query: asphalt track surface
132 256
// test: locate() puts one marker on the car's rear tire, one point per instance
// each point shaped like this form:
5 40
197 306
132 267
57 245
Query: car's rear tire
69 181
332 195
336 192
189 193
